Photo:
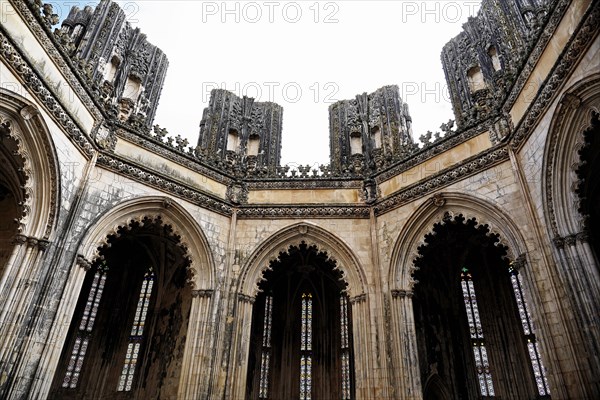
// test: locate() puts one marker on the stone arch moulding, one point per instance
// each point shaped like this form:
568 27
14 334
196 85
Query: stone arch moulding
572 117
432 211
24 123
171 213
336 249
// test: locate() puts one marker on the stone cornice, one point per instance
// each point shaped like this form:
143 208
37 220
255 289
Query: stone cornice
303 211
150 178
44 94
54 50
164 150
444 178
443 145
559 74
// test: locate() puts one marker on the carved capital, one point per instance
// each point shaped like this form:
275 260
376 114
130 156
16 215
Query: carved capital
43 244
519 262
32 242
570 240
559 242
83 263
202 293
582 236
358 298
20 239
246 299
400 293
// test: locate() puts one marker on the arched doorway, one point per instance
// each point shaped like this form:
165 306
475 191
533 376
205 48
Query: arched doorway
127 335
301 335
474 330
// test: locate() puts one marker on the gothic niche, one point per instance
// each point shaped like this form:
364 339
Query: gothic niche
301 341
12 193
475 335
128 331
588 188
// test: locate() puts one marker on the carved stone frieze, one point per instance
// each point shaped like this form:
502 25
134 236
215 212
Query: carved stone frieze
163 183
42 92
445 144
304 211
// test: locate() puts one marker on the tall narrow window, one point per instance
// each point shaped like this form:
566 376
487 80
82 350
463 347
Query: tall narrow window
475 79
263 391
482 364
539 371
346 384
85 328
306 348
137 332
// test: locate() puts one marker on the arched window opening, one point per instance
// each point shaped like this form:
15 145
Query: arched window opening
306 348
233 140
128 331
301 331
12 193
133 88
475 79
588 187
86 326
493 53
482 364
469 317
253 145
529 331
355 143
110 70
376 137
137 332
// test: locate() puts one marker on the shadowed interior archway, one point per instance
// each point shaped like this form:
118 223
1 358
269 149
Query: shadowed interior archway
588 187
301 340
127 336
473 326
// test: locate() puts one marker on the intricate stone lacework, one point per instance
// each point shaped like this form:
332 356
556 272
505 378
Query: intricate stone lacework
533 350
85 328
137 332
482 364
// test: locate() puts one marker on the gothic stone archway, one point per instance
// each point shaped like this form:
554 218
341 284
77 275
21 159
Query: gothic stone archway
301 341
474 330
127 337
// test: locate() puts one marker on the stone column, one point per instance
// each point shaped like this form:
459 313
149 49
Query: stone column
241 344
363 363
582 275
58 334
17 289
196 362
405 340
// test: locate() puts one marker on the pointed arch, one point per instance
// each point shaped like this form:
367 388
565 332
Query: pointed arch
432 211
573 116
192 237
337 250
22 121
